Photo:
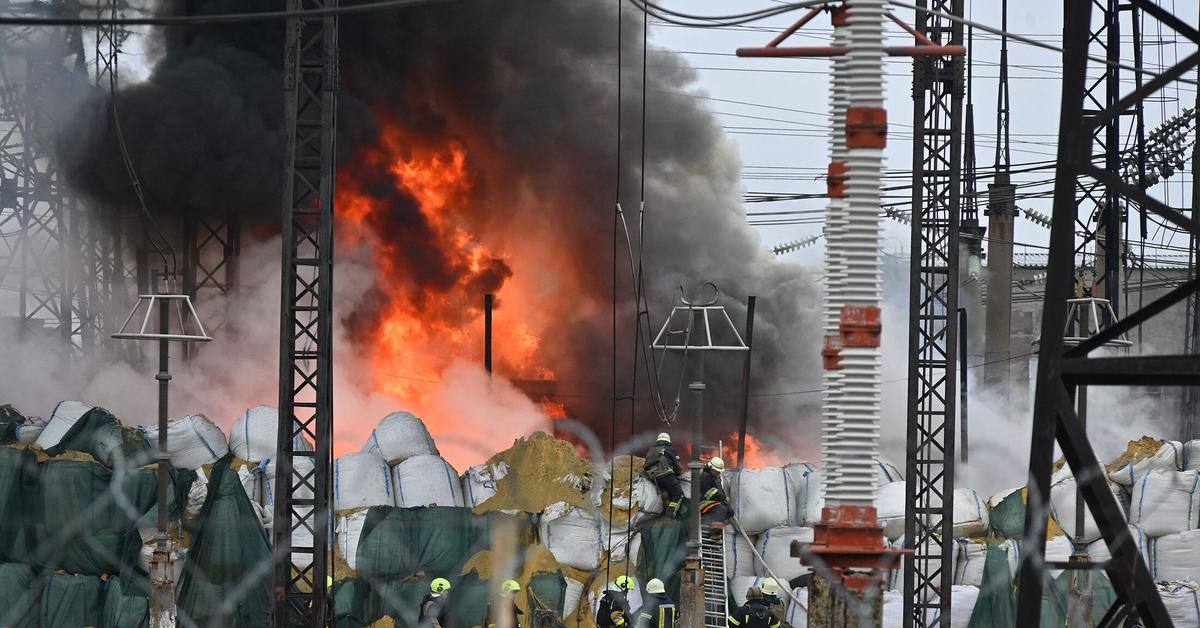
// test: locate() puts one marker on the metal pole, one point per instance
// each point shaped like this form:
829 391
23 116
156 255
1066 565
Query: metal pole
962 378
488 300
697 389
1079 602
741 450
162 601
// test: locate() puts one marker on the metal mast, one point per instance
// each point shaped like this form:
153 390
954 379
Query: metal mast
1063 370
305 360
933 319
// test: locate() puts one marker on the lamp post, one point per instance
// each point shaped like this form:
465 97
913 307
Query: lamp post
162 580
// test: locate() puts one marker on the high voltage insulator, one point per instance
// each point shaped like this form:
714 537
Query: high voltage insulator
1038 217
796 245
897 215
1165 150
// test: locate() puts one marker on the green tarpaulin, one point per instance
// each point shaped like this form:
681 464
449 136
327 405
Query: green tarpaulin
100 434
548 591
400 542
17 596
1007 518
664 546
354 605
126 604
18 485
70 601
223 583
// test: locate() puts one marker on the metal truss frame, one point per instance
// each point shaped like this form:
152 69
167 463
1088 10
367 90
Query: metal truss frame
306 325
1062 371
933 319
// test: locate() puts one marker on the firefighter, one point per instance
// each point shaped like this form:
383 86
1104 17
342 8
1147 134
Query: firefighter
714 505
614 607
658 610
435 604
508 598
755 613
770 596
663 467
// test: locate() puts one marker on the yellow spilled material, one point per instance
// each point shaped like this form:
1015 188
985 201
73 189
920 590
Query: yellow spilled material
542 470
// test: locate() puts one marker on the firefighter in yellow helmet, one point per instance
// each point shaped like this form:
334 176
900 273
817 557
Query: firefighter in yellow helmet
614 606
436 604
714 504
508 607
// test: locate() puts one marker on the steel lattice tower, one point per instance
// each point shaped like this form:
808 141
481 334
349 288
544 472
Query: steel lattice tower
933 319
305 360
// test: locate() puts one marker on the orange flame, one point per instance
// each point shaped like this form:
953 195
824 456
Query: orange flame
758 455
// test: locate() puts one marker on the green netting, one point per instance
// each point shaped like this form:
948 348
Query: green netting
126 604
664 546
354 604
18 484
222 583
8 432
548 591
17 596
400 542
1007 518
86 515
70 601
100 434
996 606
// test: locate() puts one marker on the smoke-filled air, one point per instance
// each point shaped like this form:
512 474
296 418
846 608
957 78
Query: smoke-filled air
477 153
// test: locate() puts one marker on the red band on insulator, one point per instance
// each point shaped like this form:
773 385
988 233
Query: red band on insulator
835 180
831 353
866 127
860 326
839 16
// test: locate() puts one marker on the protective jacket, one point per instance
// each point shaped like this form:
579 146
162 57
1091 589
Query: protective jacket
613 602
492 618
658 611
754 614
711 492
775 603
433 611
662 459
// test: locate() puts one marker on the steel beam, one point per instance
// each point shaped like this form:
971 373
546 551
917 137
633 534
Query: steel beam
933 320
303 491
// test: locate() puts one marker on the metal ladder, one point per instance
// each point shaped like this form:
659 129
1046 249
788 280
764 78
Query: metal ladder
716 592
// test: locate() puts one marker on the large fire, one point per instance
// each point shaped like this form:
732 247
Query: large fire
414 207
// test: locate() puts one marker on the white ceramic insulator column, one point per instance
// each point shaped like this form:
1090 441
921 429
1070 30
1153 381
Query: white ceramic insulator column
857 442
835 222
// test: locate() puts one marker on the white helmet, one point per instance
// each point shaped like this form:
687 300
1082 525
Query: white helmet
663 436
769 586
656 586
716 463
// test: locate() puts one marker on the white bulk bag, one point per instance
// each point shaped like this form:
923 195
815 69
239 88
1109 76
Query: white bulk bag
479 482
969 557
889 509
797 616
400 436
1058 550
970 513
762 498
739 554
1062 506
1098 550
426 481
805 482
1182 600
886 472
572 535
1177 557
738 585
1169 457
361 481
29 431
649 498
1165 502
256 434
65 415
346 532
192 441
775 547
572 597
621 538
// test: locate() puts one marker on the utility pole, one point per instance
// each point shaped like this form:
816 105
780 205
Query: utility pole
1001 213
